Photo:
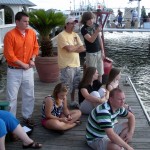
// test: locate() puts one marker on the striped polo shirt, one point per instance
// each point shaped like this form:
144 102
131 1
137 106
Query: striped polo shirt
101 118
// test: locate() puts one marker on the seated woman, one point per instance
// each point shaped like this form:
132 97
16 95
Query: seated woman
8 123
55 113
113 79
90 92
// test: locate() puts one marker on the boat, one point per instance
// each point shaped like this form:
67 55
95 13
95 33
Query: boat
77 13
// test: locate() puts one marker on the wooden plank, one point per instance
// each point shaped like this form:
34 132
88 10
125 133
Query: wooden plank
75 138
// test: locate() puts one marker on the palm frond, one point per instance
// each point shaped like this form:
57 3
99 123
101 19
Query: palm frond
43 22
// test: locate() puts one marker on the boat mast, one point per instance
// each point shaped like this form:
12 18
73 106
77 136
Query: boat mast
74 5
104 2
70 5
139 11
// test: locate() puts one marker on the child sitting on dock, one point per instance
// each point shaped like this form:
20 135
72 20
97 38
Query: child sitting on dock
55 113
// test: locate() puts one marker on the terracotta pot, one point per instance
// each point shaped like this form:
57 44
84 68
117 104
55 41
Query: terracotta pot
47 68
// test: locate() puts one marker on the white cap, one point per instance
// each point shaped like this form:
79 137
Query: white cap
71 20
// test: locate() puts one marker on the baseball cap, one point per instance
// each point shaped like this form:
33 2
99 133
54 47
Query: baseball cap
71 20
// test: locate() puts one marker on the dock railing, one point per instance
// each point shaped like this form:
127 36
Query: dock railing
125 30
140 101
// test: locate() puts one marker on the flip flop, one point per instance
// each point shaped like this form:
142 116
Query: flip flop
78 122
33 145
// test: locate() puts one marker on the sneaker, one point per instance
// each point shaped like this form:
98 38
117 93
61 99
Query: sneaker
29 122
74 104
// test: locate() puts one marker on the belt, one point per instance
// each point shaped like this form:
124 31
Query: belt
12 67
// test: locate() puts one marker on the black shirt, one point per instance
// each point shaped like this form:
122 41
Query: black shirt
95 87
90 47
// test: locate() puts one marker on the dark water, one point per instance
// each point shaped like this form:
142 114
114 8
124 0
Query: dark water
131 53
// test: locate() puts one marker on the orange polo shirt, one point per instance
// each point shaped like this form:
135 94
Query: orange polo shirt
20 47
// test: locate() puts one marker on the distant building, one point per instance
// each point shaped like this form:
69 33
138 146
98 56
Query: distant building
8 9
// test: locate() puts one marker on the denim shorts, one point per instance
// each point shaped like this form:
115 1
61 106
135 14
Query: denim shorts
8 122
3 130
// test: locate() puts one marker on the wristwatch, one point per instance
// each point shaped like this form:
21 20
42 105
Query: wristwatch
33 59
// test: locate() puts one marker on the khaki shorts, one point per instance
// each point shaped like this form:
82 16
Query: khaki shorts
101 143
70 76
95 60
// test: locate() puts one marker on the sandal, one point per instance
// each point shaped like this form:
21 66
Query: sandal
33 145
78 122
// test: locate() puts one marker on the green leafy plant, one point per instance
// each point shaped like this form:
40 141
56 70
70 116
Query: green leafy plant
43 22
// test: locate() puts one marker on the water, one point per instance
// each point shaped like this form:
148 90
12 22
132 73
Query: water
131 53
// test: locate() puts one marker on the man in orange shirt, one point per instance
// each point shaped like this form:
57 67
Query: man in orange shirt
20 50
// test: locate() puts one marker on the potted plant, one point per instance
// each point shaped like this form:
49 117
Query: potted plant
44 22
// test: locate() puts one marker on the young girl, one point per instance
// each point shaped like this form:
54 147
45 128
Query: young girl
55 113
90 92
113 79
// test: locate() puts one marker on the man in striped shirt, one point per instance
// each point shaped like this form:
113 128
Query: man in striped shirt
102 133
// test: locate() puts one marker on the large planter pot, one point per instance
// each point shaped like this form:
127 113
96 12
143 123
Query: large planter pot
47 68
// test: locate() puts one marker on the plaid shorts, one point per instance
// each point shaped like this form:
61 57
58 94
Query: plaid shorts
70 76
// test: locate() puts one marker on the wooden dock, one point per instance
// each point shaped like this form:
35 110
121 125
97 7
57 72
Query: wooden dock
74 139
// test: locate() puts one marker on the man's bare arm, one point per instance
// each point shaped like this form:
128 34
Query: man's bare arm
117 139
76 48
